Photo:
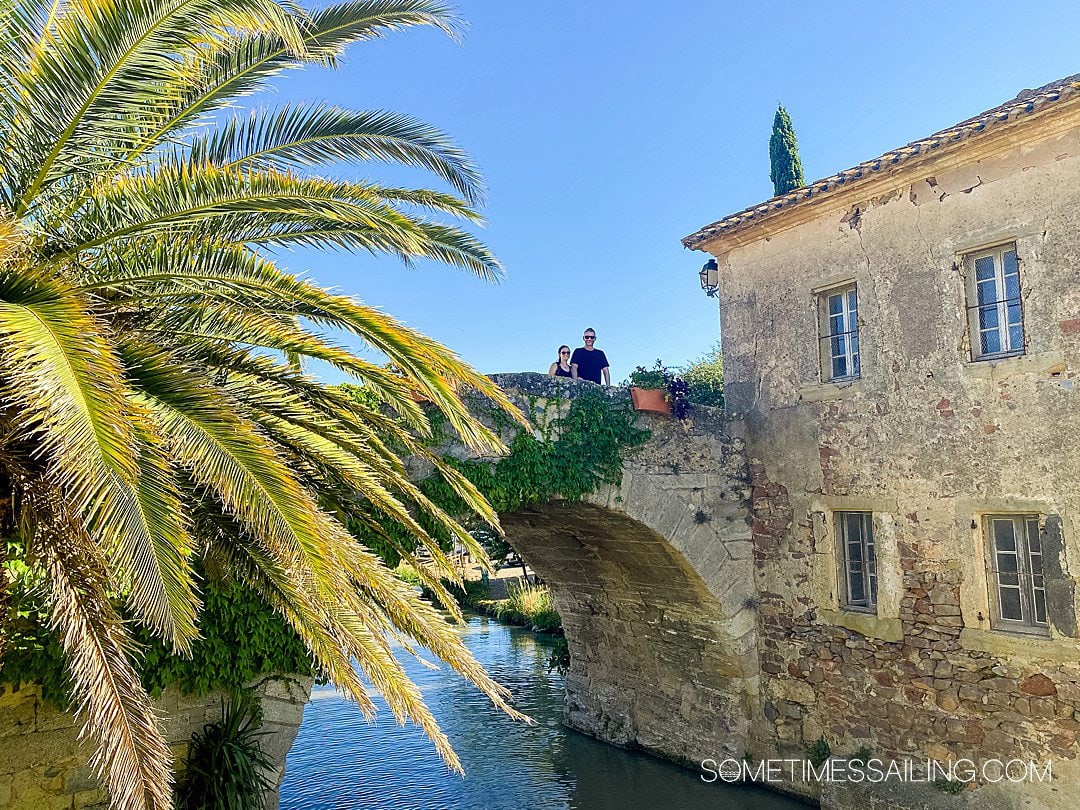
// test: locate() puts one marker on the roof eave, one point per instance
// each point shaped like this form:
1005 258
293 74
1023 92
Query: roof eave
801 204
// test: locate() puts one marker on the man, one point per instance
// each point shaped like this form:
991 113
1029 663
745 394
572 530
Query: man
588 362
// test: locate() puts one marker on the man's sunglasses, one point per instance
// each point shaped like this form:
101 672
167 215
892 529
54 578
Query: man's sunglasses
589 337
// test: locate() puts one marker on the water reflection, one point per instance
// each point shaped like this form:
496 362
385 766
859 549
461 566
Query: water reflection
339 762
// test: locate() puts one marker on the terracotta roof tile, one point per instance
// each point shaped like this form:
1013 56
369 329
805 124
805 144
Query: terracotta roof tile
1027 101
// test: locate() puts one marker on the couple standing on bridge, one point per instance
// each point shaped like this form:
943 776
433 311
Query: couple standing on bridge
587 363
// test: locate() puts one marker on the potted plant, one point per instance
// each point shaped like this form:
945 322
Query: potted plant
658 390
648 389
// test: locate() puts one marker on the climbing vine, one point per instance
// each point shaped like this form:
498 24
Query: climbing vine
242 638
566 458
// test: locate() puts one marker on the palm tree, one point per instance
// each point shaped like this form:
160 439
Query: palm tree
153 406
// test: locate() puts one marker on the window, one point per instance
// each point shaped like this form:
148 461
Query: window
856 534
838 319
995 310
1016 573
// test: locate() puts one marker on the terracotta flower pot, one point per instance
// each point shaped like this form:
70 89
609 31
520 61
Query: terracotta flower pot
650 399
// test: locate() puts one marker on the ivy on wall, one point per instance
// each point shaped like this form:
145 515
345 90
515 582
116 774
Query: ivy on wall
573 456
242 638
577 455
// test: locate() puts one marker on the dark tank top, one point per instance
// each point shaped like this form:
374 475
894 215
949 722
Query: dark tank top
560 373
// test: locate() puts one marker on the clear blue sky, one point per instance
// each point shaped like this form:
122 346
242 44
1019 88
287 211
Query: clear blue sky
608 130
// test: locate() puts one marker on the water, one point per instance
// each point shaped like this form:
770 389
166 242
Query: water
340 762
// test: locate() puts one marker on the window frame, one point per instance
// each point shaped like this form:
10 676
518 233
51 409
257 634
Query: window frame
848 293
1029 583
1000 305
867 574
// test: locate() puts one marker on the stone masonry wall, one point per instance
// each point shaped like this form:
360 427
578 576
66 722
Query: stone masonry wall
929 442
43 766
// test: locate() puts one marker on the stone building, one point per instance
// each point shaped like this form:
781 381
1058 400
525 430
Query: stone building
902 357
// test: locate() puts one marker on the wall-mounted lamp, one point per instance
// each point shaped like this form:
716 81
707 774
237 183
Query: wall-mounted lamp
710 278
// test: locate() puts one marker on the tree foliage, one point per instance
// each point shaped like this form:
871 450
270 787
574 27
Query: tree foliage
154 411
705 376
786 171
241 637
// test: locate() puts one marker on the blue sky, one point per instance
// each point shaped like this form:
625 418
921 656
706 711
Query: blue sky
608 130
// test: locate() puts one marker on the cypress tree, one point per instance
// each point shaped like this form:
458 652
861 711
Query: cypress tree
786 168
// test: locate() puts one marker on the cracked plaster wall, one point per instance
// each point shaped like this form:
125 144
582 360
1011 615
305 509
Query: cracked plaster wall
929 441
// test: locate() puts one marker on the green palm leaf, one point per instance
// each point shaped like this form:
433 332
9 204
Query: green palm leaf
298 135
63 379
205 83
99 60
153 403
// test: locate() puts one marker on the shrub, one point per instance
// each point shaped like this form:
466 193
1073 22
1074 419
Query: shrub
951 787
226 768
533 602
242 638
406 573
862 756
655 378
705 376
527 605
473 593
818 752
560 656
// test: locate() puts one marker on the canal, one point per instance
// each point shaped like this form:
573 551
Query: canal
340 762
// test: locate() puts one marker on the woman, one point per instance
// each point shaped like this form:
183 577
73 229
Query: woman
561 367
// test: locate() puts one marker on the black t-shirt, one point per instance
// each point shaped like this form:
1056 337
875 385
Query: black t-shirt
589 364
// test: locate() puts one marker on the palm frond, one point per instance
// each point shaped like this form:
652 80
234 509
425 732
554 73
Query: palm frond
243 64
99 60
132 756
154 547
183 198
63 379
66 384
313 134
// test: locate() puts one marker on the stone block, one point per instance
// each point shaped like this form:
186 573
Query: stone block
50 718
80 780
97 799
28 790
20 719
290 688
47 748
1038 684
12 695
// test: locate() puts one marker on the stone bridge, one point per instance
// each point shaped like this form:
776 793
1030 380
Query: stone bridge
654 582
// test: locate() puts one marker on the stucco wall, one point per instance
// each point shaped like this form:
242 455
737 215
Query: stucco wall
43 766
929 441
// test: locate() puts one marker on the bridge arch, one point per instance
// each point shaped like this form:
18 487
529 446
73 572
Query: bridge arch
654 582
